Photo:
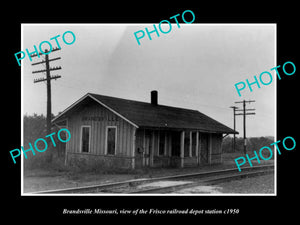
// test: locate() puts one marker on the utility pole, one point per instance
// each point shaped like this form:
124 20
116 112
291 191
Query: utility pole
48 80
245 113
234 109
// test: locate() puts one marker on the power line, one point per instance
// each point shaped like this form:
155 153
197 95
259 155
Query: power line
244 114
48 80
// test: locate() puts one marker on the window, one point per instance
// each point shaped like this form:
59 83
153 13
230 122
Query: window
111 140
161 143
85 138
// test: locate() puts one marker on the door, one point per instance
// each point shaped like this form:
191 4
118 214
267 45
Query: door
139 148
150 137
204 145
147 149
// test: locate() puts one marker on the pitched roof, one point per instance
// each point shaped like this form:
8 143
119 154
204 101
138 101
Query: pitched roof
142 114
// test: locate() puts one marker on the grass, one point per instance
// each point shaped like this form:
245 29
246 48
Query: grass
56 175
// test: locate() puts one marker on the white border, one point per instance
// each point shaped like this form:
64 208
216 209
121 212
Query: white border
143 25
22 116
275 114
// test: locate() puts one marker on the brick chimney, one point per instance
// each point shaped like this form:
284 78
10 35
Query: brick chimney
154 97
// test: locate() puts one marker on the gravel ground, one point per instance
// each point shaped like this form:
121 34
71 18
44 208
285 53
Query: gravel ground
205 189
253 185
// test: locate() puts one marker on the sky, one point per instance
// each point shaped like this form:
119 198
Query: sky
194 66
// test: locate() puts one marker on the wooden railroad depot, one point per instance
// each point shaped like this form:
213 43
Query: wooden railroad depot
111 131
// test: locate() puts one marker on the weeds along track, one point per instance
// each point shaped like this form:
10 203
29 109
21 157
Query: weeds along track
166 184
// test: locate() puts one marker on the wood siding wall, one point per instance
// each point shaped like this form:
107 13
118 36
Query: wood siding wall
102 118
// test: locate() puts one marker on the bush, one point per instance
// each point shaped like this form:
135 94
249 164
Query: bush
253 144
34 128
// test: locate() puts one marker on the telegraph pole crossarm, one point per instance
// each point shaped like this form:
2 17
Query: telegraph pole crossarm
245 101
46 51
33 64
246 110
45 79
50 69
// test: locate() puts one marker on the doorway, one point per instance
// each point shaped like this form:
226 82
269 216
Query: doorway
204 145
148 148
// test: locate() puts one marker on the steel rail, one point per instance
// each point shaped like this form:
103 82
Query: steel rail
132 183
205 181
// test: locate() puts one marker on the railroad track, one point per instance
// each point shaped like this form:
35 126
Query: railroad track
176 182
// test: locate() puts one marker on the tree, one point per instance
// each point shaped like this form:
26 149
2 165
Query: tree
34 128
253 144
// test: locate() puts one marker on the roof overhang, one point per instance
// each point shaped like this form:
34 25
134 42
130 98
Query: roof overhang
189 129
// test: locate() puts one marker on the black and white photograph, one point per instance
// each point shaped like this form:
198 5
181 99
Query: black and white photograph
159 116
148 111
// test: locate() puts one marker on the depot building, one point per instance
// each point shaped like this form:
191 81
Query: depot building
109 131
